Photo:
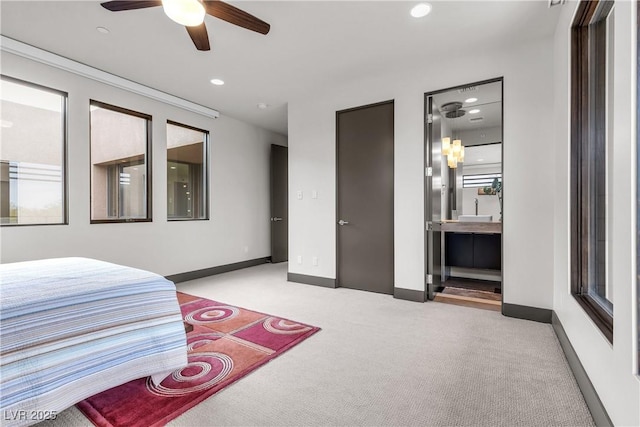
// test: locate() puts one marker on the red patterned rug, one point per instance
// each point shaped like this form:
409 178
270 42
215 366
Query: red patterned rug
226 344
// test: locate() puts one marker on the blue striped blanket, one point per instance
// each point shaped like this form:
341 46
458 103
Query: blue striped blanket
73 327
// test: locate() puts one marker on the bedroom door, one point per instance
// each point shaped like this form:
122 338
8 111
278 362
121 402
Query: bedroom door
279 203
365 198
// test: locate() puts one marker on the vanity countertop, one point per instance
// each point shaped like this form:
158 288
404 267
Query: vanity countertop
493 227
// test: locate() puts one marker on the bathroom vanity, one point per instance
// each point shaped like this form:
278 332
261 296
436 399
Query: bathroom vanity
472 244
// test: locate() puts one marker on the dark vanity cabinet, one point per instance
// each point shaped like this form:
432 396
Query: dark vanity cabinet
473 250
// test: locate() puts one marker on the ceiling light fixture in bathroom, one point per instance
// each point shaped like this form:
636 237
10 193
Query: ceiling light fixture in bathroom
454 152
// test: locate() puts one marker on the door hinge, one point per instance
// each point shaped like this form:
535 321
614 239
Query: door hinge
429 225
429 118
428 171
429 279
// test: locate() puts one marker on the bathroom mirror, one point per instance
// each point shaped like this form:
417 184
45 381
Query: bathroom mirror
472 117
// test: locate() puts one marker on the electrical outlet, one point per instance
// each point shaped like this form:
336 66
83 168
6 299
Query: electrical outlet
299 259
299 194
314 261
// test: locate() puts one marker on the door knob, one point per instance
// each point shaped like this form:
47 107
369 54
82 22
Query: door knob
275 218
341 222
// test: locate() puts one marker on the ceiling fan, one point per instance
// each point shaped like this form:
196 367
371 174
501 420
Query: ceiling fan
191 13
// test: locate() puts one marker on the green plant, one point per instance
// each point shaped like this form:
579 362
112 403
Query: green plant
496 188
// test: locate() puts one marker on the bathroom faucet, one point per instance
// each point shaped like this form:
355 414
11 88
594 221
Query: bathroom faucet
476 207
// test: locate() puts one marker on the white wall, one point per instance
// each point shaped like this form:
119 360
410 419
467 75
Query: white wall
611 369
238 228
528 219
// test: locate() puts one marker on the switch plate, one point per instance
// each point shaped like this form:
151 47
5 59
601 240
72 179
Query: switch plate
299 259
314 194
299 194
314 261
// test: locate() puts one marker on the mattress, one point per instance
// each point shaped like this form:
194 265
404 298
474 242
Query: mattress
73 327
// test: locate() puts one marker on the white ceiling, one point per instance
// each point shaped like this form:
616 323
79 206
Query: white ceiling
312 44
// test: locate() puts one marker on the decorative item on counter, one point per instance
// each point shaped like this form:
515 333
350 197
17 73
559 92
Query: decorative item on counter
495 189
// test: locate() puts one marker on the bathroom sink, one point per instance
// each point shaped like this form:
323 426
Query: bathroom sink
475 218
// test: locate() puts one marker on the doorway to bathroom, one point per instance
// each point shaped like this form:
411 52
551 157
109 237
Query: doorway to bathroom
463 194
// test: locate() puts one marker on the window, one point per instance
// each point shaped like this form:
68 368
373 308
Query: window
480 180
186 172
32 154
120 168
592 112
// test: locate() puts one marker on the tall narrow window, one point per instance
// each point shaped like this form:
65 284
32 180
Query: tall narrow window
120 170
592 113
186 172
32 154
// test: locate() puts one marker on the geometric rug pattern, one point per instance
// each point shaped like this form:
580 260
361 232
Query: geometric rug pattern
226 343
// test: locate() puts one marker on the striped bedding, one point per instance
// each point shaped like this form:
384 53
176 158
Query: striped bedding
73 327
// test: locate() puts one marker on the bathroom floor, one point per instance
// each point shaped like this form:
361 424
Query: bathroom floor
470 292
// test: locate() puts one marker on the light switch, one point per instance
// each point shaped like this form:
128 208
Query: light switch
299 194
314 194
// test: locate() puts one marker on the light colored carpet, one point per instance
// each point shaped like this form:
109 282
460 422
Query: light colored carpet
382 361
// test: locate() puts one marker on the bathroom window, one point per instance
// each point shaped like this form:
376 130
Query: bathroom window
187 162
120 170
32 154
591 127
480 180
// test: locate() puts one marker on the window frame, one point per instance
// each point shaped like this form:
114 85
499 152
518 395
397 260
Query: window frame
206 162
583 128
638 185
489 176
148 162
65 141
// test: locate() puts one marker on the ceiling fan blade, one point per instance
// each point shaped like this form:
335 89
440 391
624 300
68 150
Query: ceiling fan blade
119 5
199 36
233 15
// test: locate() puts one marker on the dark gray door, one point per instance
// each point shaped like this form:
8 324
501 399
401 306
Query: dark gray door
434 214
279 204
365 198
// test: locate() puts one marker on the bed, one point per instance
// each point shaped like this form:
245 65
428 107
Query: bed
73 327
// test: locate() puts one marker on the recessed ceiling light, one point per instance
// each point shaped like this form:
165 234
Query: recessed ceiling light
217 82
476 111
470 100
262 105
420 10
481 160
102 30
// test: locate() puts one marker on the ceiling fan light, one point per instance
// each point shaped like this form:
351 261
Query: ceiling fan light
185 12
